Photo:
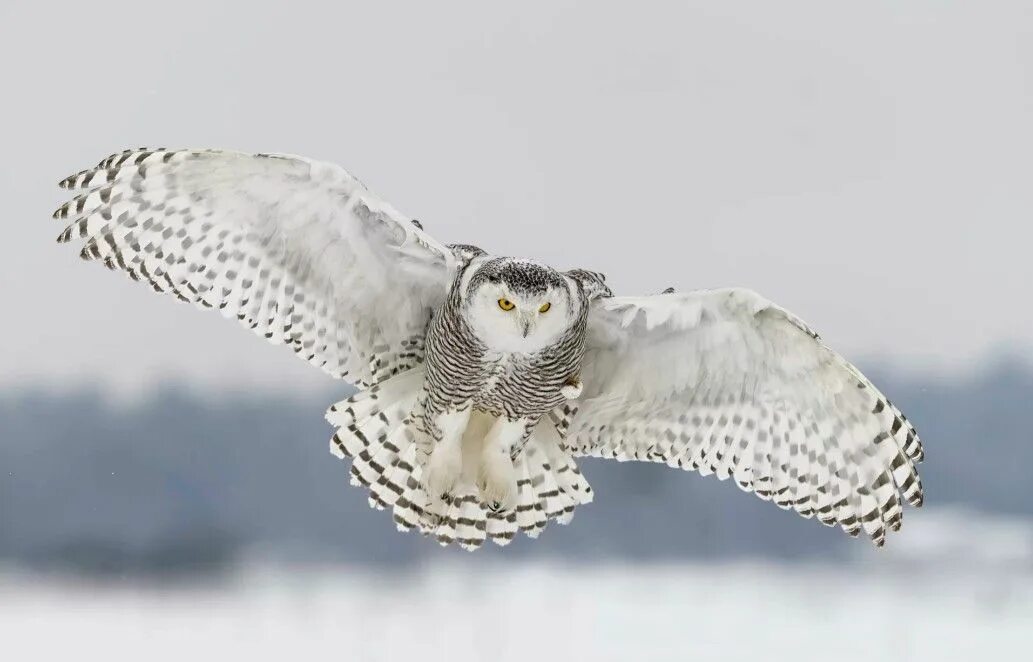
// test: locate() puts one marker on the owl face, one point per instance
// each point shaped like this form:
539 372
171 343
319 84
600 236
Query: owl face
518 306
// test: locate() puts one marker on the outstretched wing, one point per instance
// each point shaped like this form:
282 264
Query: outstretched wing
725 382
300 251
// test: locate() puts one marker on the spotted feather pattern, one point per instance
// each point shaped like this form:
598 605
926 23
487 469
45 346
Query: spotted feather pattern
720 382
723 382
297 250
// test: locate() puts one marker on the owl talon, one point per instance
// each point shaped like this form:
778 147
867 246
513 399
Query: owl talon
498 485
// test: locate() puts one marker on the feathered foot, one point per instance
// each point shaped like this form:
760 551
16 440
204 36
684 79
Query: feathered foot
497 480
445 464
497 483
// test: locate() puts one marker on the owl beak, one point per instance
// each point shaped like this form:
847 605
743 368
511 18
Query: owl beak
525 324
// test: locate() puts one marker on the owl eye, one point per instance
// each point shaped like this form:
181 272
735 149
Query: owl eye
506 304
545 307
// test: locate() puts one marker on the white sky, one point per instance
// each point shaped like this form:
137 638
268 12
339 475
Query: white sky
865 164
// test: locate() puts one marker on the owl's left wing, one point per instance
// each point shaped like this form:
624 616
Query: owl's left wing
726 382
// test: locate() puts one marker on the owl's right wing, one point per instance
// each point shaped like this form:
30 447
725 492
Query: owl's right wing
726 382
298 250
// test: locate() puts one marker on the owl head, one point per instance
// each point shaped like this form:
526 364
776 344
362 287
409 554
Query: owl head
518 305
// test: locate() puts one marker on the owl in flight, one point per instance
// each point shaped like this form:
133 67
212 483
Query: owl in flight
482 378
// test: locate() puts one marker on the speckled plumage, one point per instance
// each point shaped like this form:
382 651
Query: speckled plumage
483 377
503 383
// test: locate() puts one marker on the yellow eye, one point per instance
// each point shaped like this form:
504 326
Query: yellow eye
506 304
545 307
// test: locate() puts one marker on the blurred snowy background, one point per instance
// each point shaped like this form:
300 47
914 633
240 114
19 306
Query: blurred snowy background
165 485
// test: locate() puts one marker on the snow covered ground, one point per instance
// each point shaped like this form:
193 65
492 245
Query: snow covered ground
742 612
954 591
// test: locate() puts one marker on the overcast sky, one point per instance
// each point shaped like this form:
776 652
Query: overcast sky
867 165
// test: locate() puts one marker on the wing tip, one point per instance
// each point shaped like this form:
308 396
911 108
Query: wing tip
114 160
90 251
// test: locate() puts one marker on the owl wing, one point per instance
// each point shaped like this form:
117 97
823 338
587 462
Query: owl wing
299 251
725 382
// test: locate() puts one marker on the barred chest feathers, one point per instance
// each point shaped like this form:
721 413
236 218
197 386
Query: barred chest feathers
508 338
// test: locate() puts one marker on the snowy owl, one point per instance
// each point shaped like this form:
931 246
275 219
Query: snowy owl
482 378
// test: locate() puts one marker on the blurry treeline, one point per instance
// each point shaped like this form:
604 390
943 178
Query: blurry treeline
182 484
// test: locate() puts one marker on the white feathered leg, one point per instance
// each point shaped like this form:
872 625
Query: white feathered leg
498 480
445 465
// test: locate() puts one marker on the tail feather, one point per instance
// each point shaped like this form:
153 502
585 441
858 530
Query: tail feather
530 514
444 524
502 528
391 483
562 469
472 526
553 501
410 506
375 430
